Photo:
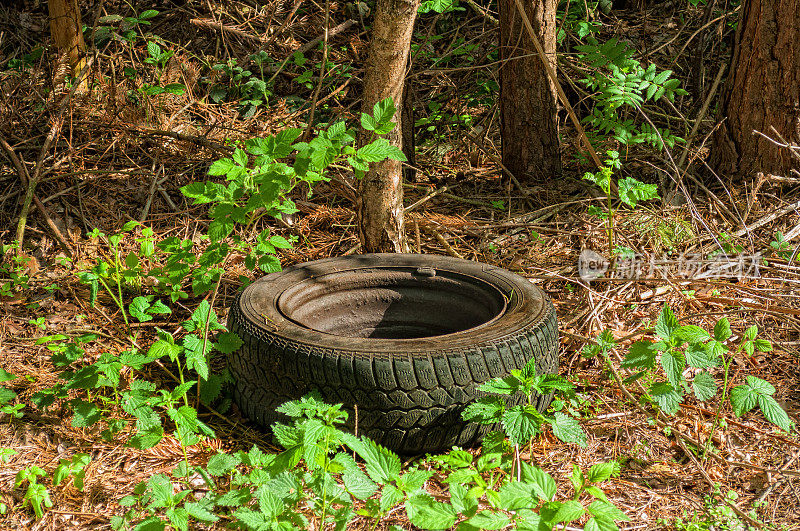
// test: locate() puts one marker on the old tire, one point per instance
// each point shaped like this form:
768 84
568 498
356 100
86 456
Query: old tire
406 338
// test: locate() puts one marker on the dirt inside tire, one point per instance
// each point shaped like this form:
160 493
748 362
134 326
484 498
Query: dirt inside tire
402 340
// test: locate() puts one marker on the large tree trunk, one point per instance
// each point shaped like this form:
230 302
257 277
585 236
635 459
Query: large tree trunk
380 192
67 34
528 110
762 91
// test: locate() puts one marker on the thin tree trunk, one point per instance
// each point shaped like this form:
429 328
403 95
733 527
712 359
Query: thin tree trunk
528 98
762 91
380 192
67 33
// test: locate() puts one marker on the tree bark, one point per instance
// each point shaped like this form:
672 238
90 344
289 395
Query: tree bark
380 192
762 91
528 98
67 33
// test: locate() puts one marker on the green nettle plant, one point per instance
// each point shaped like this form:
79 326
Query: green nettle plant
315 482
523 422
681 346
629 191
95 392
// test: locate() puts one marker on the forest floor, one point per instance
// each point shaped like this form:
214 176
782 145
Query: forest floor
121 154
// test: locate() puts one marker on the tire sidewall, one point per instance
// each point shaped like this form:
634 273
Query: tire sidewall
526 305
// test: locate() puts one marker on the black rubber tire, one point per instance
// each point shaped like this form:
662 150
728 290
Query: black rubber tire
409 392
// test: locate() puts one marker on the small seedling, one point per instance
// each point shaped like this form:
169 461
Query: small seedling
629 190
36 494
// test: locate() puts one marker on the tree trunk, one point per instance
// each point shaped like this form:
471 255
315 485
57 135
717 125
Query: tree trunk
528 109
67 33
380 192
762 91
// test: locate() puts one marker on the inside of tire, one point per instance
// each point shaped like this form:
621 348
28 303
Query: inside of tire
392 303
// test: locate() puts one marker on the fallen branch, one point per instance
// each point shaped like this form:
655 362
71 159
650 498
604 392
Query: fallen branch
25 180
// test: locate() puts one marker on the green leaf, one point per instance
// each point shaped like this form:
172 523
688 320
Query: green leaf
774 412
673 363
219 167
529 370
596 492
553 382
196 354
426 513
757 391
578 479
667 398
384 110
220 464
642 354
235 497
164 347
6 376
515 495
358 164
607 510
178 518
567 429
7 395
85 414
488 519
138 309
501 386
521 423
722 330
667 323
228 343
631 191
153 49
692 334
37 496
463 503
762 345
240 157
203 314
159 487
376 151
358 484
159 307
251 519
210 389
147 438
544 486
390 497
600 523
382 464
270 505
368 122
485 410
704 386
700 357
603 471
199 512
568 511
